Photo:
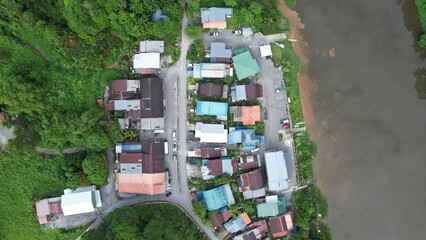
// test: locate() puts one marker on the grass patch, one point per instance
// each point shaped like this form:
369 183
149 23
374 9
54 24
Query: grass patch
421 8
290 65
280 137
291 3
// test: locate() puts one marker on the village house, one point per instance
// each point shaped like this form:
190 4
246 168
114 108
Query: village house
238 224
211 169
208 152
254 231
249 162
248 115
276 170
246 92
219 53
212 90
252 184
271 206
282 225
212 70
216 198
245 65
220 218
211 133
215 17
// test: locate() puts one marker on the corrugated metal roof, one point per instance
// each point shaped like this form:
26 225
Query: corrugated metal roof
151 46
131 168
212 108
210 89
146 60
213 133
145 183
244 64
210 70
270 209
218 50
215 14
76 203
277 171
282 225
250 114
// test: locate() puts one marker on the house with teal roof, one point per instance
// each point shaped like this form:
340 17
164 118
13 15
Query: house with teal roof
216 198
219 109
273 206
245 65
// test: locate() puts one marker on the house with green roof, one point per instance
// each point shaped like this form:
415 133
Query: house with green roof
245 65
216 198
273 206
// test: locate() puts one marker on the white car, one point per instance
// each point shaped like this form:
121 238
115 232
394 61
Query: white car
174 135
214 34
236 32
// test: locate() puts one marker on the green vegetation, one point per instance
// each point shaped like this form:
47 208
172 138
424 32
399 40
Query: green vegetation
280 137
291 3
305 151
153 221
95 166
197 52
193 30
260 127
421 8
287 59
56 59
249 13
201 184
29 176
311 208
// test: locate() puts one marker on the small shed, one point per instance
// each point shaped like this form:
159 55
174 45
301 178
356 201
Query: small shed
265 51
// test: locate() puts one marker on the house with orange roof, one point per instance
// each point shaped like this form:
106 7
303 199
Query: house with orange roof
238 224
248 115
143 172
215 17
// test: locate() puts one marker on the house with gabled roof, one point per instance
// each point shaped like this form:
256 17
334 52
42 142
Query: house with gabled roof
212 70
219 109
248 115
215 17
245 65
246 92
211 133
218 167
254 231
151 46
251 184
238 224
272 206
216 198
246 137
282 225
219 53
276 170
220 218
143 172
249 162
211 90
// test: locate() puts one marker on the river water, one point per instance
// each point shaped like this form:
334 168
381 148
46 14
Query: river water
368 119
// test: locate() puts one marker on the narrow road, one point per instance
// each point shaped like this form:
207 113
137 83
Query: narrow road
176 108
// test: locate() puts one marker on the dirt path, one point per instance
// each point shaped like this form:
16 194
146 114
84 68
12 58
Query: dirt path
114 34
56 152
113 66
41 53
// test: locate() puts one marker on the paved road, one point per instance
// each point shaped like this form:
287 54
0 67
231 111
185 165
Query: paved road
175 97
274 103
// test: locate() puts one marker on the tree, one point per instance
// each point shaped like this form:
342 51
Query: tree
422 40
193 30
95 166
199 209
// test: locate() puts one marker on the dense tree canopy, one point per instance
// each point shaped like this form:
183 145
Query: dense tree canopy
154 221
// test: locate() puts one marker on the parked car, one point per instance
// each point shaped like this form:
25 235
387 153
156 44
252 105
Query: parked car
174 135
174 156
236 32
192 110
254 150
286 126
168 194
193 193
174 147
285 120
214 34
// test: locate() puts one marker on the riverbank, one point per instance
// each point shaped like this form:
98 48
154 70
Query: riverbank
310 225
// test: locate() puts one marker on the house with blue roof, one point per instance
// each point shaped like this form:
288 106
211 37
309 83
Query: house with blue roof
238 224
246 137
219 109
276 170
216 198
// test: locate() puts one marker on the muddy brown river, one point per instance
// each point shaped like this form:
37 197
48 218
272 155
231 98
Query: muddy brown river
367 81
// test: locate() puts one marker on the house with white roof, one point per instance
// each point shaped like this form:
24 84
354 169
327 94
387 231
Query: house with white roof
276 170
81 200
211 133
